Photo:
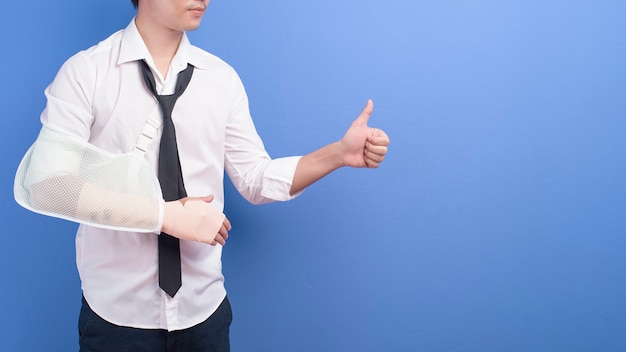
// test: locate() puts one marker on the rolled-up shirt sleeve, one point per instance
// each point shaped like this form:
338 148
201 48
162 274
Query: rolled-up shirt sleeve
278 178
258 178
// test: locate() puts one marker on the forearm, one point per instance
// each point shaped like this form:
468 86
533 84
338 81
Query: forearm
72 198
316 165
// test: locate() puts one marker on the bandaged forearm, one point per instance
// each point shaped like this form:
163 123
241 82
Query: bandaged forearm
71 198
99 206
64 177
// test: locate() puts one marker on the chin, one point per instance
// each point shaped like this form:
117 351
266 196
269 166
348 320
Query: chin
193 24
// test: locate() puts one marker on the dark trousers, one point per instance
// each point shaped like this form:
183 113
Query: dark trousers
98 335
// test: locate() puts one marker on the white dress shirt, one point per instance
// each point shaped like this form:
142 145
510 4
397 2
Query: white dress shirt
99 96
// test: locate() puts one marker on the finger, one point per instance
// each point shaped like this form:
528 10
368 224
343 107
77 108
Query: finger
376 149
378 137
223 232
227 224
222 235
213 242
219 239
365 114
373 157
372 164
207 199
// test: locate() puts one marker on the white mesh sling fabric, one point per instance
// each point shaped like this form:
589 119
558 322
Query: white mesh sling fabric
64 177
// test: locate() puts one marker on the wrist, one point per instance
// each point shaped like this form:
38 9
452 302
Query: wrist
170 211
337 154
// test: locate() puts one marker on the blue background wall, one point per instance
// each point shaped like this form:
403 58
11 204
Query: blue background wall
497 222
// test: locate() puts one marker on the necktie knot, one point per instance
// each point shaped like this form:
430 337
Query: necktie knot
166 102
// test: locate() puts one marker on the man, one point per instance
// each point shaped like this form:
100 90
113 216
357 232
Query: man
99 108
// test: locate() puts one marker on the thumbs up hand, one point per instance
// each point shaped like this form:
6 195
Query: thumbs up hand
363 146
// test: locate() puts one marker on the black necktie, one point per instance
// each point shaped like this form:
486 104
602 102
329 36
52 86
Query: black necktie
170 177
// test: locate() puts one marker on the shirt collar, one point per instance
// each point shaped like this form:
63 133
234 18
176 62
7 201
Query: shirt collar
133 48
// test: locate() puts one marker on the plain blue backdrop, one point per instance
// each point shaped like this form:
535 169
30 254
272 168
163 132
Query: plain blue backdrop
497 222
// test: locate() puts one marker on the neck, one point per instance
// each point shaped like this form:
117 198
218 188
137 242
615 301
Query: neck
162 42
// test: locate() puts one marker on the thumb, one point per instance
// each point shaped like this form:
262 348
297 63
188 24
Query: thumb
207 199
365 114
